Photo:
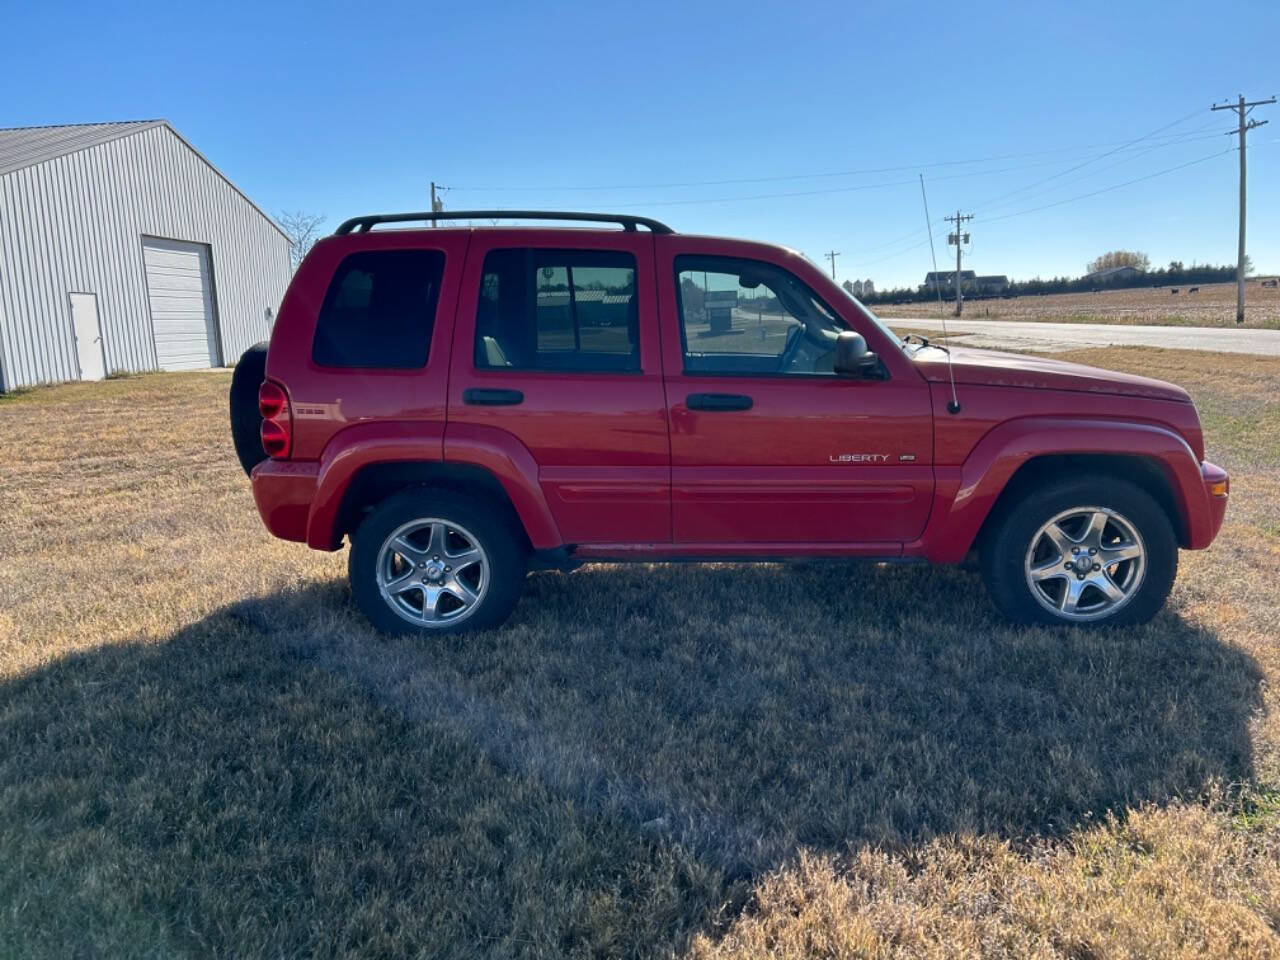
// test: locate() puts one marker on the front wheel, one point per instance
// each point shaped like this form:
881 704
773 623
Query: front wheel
434 561
1088 552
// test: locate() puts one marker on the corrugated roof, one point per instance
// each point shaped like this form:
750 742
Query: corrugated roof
23 146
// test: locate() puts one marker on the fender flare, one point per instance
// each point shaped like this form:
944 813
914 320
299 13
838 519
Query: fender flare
354 448
506 458
965 495
363 445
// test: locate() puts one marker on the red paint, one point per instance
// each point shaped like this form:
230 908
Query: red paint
617 466
767 474
599 440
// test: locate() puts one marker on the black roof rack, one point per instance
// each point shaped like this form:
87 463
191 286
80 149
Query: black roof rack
625 220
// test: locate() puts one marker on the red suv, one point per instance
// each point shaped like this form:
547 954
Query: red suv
463 403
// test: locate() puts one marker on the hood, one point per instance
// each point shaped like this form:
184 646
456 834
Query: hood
994 368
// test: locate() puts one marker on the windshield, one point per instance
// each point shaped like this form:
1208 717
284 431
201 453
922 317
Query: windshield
884 327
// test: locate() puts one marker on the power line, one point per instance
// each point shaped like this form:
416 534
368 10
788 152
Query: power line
832 257
920 232
547 188
1117 186
834 190
1066 200
1092 173
1094 159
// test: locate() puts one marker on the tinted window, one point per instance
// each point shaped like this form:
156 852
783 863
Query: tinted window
558 310
747 317
379 310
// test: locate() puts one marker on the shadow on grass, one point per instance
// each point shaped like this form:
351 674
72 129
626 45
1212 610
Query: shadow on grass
603 776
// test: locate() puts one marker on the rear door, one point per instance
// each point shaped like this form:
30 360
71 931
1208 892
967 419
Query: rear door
556 346
768 445
88 331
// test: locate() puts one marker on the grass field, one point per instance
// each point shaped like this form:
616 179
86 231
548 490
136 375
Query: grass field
1214 305
205 752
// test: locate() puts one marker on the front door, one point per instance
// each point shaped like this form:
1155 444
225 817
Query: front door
88 331
556 346
769 446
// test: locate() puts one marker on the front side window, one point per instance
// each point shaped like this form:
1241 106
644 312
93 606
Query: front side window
752 318
379 310
558 310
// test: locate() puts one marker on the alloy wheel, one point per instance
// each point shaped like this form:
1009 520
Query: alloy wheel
432 572
1085 563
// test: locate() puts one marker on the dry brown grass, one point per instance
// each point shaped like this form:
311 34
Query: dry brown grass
205 751
1214 305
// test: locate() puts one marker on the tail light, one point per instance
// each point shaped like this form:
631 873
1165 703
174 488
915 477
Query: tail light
277 420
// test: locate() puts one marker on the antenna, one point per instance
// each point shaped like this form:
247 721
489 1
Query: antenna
954 405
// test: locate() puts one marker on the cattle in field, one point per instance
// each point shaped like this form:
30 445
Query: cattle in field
1173 289
1194 290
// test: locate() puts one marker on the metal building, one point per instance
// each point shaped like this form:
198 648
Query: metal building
122 248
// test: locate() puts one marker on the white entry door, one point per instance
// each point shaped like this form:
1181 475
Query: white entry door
84 321
180 293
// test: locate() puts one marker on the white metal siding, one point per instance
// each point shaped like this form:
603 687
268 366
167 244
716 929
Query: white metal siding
77 222
180 298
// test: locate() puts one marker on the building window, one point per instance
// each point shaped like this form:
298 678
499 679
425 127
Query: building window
380 310
558 310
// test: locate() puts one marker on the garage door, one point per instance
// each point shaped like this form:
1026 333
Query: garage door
180 292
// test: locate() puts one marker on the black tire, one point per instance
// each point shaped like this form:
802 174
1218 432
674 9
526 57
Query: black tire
1006 544
502 548
246 421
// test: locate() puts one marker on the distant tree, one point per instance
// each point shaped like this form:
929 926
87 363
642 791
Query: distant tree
302 230
692 296
1248 265
1120 258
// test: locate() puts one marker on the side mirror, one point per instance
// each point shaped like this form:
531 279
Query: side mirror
853 359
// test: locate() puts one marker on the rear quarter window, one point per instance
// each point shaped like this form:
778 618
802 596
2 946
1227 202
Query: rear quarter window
379 310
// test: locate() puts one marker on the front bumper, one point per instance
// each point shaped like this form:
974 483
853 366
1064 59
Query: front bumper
1217 490
283 491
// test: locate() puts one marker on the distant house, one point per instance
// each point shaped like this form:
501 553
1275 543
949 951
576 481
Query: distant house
947 279
1113 275
970 283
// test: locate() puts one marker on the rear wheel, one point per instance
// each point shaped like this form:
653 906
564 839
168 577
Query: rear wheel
434 561
1086 552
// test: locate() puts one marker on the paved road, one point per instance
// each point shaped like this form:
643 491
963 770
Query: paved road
1056 337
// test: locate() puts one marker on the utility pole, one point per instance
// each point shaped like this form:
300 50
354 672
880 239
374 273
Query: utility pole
1243 108
957 238
437 203
832 257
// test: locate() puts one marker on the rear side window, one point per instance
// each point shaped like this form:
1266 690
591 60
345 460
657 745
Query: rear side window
380 310
558 310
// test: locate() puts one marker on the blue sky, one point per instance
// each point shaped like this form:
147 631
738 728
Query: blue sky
802 124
